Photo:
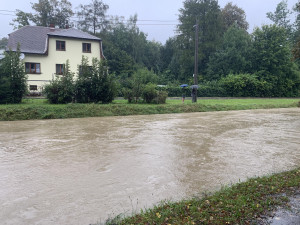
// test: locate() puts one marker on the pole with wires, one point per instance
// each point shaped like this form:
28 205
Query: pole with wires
195 86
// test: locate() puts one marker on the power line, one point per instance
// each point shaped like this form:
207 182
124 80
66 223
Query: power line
4 10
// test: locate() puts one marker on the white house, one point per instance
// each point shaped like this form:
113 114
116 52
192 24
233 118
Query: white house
46 50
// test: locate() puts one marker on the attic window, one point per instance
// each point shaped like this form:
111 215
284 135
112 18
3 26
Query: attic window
60 46
86 47
32 67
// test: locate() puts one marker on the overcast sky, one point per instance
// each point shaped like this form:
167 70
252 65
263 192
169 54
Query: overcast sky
166 11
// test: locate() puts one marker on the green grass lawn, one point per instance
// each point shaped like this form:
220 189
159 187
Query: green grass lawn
242 203
31 109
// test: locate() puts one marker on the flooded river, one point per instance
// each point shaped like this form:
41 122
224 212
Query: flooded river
81 171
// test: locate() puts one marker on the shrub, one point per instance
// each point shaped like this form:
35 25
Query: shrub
12 78
149 92
61 89
161 97
211 89
94 83
243 85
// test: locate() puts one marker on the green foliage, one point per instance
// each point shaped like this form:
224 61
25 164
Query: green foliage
233 56
46 12
3 43
244 85
134 85
211 89
61 89
233 15
94 83
209 17
5 92
12 78
281 17
161 97
92 17
40 109
119 61
149 92
126 47
241 203
271 60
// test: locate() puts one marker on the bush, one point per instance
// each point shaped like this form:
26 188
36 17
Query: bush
161 97
149 92
211 89
94 84
12 78
174 90
61 90
243 85
133 86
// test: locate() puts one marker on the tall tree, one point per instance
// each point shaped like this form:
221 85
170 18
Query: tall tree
22 19
232 14
281 17
233 56
208 15
272 60
46 12
296 47
92 17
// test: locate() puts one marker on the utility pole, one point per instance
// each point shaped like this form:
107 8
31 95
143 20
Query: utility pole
195 87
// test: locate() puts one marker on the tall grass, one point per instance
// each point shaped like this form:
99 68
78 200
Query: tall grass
242 203
31 109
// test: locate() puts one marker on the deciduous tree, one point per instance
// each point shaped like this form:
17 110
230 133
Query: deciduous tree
272 60
234 15
92 17
208 15
46 12
233 56
281 17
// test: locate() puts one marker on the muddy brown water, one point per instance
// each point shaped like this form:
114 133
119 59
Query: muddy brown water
81 171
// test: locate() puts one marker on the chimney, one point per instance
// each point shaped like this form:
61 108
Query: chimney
52 25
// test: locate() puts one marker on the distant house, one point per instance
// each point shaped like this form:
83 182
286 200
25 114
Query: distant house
46 49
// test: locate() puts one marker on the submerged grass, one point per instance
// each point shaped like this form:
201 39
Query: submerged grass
31 109
243 203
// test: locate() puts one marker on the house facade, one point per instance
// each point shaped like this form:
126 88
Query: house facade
45 50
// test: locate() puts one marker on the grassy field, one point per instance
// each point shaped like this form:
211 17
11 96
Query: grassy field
31 109
243 203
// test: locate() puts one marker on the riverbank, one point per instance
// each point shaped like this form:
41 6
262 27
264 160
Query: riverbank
33 109
250 202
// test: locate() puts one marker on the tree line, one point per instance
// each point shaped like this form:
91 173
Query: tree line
232 61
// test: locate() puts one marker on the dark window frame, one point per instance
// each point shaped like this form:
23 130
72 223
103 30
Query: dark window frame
33 87
86 47
30 70
60 45
60 68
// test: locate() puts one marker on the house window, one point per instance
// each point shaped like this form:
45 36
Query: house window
86 47
60 69
60 46
33 87
32 67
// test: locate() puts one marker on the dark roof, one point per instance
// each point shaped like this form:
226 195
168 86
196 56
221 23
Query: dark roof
33 39
73 33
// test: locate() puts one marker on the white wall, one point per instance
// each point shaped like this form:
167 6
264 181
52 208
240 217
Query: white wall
48 62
